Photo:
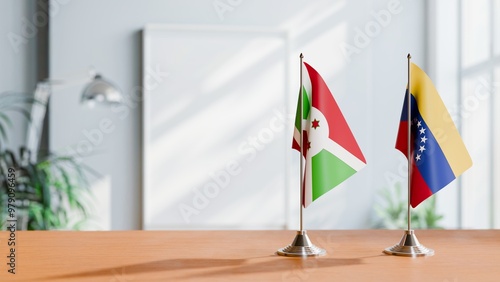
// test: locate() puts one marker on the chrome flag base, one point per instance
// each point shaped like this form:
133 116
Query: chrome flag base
409 247
301 247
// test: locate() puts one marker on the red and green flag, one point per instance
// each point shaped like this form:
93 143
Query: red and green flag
330 150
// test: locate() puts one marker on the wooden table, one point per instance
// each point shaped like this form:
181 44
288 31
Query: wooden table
356 255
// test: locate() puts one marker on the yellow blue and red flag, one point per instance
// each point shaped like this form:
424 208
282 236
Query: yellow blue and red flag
438 154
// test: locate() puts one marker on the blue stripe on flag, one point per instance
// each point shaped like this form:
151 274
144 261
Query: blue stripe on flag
427 154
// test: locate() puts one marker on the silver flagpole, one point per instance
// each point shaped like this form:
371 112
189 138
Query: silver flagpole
409 246
301 98
301 245
408 108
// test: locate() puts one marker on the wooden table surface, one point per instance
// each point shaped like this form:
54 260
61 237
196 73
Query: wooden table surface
354 255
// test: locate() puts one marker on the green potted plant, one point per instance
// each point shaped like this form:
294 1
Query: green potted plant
50 193
392 212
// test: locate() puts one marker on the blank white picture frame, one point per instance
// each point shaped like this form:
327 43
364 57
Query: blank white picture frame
216 133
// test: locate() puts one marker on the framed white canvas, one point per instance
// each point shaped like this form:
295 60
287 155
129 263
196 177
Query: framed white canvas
216 133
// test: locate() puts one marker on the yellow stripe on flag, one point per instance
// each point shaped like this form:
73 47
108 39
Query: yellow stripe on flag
438 120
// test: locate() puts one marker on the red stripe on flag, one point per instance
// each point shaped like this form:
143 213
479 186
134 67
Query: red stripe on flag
402 138
295 145
419 189
323 100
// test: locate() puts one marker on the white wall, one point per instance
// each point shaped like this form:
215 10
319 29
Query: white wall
468 91
369 86
18 53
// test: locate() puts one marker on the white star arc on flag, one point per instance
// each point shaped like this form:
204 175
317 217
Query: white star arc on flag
423 139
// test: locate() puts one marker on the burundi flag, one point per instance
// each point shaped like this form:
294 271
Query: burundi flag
438 155
331 153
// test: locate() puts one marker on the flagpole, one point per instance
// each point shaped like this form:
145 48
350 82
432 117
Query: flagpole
301 147
301 245
409 140
409 246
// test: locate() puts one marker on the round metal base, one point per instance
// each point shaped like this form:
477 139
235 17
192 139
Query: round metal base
301 247
409 247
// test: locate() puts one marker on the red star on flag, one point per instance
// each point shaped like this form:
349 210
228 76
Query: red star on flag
315 123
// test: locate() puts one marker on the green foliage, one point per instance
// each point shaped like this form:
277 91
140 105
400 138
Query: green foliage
392 211
51 192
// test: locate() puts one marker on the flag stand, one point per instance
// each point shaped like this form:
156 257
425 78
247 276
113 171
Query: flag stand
409 246
301 245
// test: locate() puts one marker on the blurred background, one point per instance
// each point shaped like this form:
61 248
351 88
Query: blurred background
201 135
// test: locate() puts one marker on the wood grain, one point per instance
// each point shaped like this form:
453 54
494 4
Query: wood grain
353 255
